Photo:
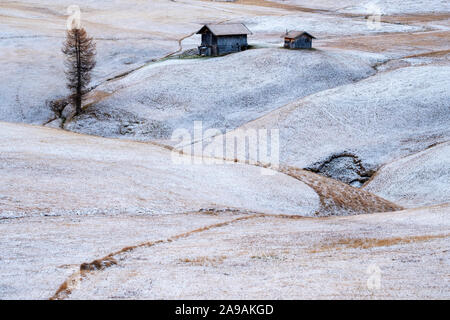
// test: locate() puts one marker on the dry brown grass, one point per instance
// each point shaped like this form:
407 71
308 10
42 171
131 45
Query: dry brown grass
62 290
367 243
98 264
415 18
337 198
440 53
94 97
417 41
204 261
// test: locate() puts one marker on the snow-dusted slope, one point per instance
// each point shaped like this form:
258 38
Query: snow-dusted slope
223 92
370 6
128 34
417 180
39 253
31 37
273 258
321 26
229 255
49 171
79 197
351 130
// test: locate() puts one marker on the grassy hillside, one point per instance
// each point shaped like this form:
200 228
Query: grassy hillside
349 132
223 92
416 180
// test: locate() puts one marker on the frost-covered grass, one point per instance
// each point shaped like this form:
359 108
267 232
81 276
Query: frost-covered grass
378 119
264 257
321 26
275 258
31 37
49 171
365 6
39 253
416 180
145 223
128 34
223 92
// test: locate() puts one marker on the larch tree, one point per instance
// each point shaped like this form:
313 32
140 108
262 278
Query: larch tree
80 53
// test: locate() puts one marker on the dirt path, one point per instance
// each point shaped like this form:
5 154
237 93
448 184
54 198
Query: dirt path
112 259
336 236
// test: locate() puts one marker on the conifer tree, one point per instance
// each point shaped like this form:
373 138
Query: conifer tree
80 53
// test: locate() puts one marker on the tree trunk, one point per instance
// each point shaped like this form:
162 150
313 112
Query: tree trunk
79 93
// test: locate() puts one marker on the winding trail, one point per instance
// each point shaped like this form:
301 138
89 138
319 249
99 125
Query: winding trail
85 269
66 288
124 74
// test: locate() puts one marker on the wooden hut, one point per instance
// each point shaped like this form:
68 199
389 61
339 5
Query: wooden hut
218 39
298 40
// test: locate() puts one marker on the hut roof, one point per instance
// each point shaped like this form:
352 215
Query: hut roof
225 29
297 34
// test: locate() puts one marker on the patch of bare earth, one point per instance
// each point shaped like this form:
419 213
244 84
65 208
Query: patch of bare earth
337 198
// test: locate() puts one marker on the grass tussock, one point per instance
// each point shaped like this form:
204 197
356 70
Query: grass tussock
98 264
65 289
269 256
368 243
62 292
204 261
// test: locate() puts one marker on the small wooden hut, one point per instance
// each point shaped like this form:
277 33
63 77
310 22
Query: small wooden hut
218 39
298 40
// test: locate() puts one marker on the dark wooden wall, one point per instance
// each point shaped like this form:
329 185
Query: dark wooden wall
300 43
223 44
